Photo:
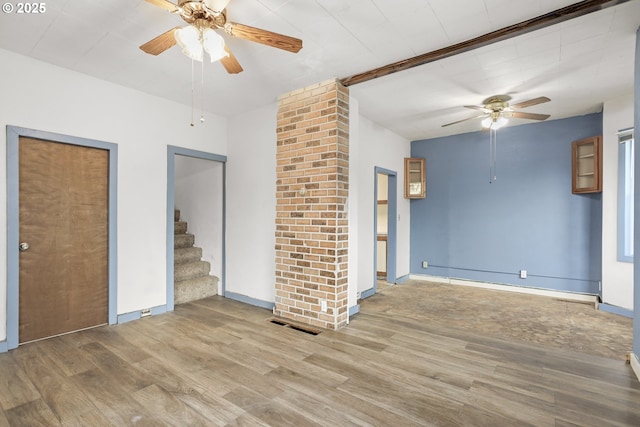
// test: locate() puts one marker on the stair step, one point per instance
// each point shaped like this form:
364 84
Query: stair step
186 255
179 227
191 270
176 214
195 289
183 241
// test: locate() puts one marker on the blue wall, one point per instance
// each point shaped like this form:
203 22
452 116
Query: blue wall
528 219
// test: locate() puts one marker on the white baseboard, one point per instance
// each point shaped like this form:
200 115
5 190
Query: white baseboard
635 364
508 288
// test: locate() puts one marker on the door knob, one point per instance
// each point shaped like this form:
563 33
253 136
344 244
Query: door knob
23 246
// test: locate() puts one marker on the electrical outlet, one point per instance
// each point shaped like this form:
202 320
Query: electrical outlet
323 305
523 274
145 312
425 264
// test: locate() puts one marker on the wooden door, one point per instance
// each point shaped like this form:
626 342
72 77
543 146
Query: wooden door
63 216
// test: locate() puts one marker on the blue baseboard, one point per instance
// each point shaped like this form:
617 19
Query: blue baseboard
4 347
128 317
367 293
249 300
161 309
135 315
402 279
615 310
354 310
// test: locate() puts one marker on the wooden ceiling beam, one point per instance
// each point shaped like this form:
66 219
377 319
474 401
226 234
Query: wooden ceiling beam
557 16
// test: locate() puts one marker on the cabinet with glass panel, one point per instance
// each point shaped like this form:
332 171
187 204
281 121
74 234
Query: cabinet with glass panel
415 180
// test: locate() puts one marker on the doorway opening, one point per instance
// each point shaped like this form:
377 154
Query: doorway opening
382 226
385 230
195 188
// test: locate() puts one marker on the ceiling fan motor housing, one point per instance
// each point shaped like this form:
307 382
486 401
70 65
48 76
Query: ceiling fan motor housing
496 104
196 12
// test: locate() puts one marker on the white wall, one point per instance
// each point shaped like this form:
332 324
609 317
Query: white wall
375 146
40 96
617 277
354 207
198 195
251 204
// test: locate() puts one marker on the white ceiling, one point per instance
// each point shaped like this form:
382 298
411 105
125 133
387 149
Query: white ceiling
579 64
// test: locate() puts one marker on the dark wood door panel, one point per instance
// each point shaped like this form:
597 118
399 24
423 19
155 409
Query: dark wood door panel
63 198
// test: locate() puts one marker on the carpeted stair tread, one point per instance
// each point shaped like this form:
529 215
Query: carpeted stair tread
183 241
186 255
179 227
190 270
195 289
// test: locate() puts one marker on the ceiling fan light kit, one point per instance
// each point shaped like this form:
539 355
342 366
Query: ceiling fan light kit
204 17
496 110
494 123
216 4
195 41
495 114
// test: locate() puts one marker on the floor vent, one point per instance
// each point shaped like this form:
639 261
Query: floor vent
297 326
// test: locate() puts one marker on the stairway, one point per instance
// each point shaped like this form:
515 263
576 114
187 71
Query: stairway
190 274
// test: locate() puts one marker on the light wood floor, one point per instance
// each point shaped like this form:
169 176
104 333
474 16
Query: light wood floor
220 362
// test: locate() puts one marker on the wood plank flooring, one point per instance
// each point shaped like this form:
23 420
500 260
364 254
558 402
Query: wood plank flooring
217 362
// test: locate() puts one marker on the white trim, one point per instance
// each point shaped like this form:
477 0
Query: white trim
635 364
507 288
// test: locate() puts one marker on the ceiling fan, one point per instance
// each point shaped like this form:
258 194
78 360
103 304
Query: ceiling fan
204 16
496 110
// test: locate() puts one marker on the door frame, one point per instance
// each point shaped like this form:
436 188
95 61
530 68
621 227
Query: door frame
392 228
172 151
13 238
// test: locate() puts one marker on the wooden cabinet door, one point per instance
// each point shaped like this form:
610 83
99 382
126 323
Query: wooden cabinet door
63 216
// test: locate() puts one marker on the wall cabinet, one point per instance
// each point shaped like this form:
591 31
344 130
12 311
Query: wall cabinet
586 165
415 178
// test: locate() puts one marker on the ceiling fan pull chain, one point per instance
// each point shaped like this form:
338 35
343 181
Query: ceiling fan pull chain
492 154
493 135
202 89
192 92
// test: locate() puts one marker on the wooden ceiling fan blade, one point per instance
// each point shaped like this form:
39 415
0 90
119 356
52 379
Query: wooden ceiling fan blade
161 43
531 102
230 63
164 4
467 119
530 116
265 37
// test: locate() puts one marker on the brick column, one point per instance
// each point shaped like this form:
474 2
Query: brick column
311 218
